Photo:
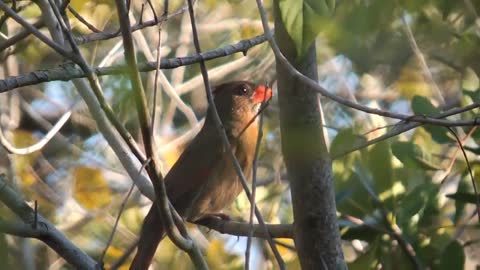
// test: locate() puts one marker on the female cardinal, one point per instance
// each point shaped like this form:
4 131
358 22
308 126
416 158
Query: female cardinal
203 180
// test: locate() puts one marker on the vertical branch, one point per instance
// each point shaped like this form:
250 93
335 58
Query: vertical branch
254 189
185 243
157 70
309 166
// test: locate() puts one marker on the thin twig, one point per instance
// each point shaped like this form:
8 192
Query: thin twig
114 229
67 71
218 124
406 127
423 63
254 187
469 171
82 20
38 145
157 69
36 33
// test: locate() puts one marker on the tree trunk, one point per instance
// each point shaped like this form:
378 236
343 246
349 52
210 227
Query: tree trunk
307 159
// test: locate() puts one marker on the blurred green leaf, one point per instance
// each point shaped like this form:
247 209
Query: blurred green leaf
345 140
302 19
470 80
412 156
380 166
453 257
362 232
422 106
415 203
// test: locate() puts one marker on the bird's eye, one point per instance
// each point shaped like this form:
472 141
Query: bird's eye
243 90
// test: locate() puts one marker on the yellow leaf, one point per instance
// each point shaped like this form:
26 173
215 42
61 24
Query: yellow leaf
91 189
411 82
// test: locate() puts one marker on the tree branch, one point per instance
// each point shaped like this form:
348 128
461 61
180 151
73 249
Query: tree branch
42 230
244 229
183 241
70 71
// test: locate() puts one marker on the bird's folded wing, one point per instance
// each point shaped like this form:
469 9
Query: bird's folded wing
193 168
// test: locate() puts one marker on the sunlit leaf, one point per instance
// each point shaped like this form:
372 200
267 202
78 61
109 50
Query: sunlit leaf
345 140
470 80
302 19
412 156
423 106
380 165
91 188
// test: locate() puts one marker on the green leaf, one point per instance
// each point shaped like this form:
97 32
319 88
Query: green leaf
453 257
415 203
302 19
344 141
422 106
470 80
380 165
412 156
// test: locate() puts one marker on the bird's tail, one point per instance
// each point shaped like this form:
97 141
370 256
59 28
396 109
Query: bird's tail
151 235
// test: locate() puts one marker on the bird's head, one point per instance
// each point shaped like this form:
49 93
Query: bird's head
239 101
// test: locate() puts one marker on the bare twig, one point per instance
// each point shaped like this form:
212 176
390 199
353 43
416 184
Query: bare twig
469 171
254 187
157 69
108 34
114 229
82 20
69 71
38 145
46 232
36 33
423 63
218 124
406 127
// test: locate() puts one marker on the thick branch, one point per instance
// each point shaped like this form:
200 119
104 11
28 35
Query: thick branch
244 229
185 243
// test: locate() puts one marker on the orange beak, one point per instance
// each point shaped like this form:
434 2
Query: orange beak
262 93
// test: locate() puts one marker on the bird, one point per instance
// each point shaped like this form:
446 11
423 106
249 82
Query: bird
203 180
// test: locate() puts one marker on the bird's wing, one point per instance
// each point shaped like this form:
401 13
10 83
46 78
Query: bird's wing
193 169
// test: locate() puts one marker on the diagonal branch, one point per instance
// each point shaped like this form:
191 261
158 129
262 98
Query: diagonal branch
44 231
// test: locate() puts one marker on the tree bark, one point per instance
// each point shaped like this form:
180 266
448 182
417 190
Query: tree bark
307 159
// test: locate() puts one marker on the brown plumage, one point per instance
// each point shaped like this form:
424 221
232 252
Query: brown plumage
203 181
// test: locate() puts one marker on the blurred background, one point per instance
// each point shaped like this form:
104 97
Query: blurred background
413 57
